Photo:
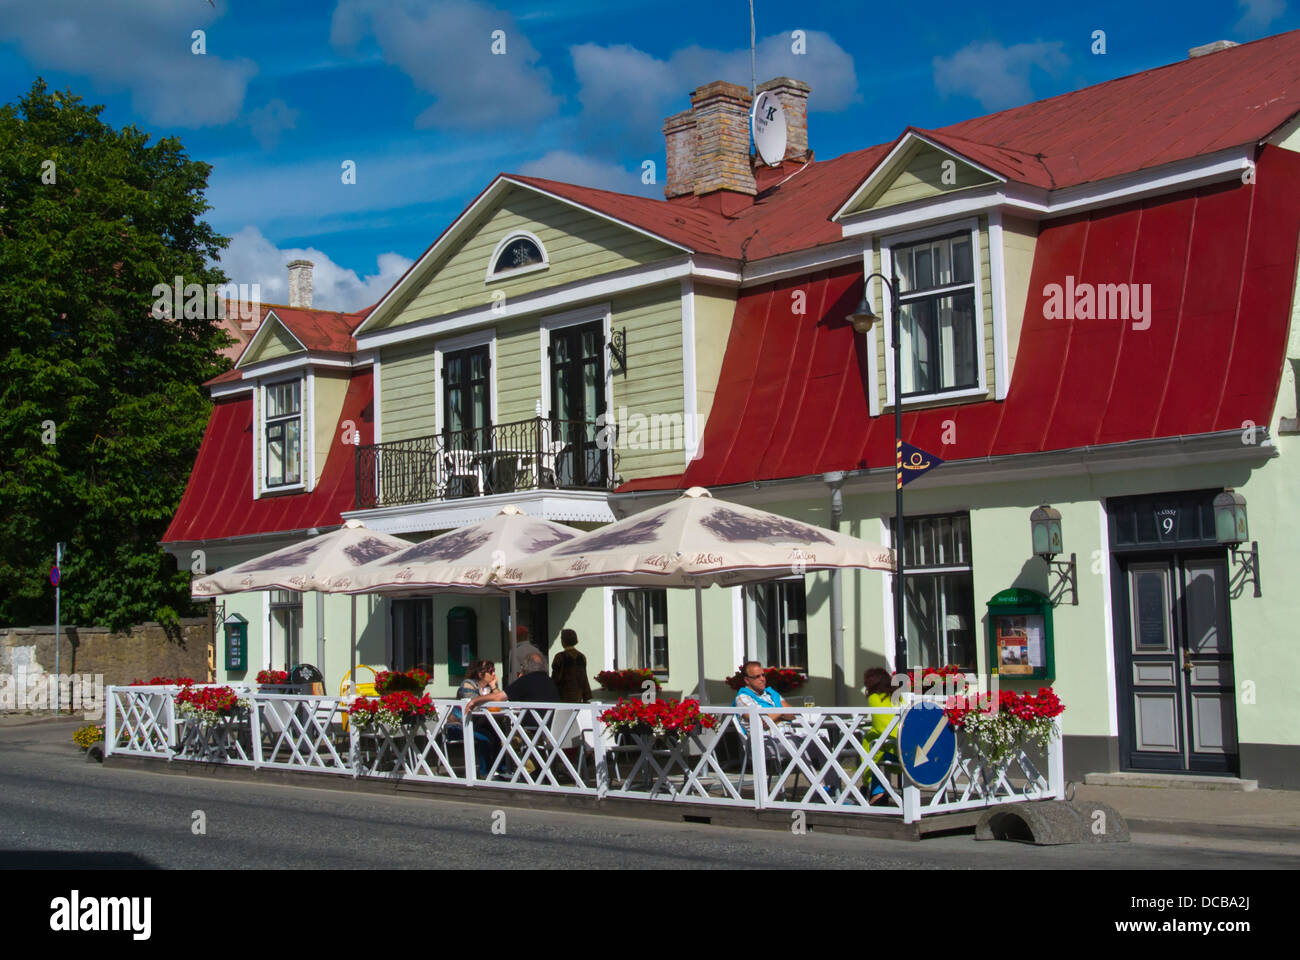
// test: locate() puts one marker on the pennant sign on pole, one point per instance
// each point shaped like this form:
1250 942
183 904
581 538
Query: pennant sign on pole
913 462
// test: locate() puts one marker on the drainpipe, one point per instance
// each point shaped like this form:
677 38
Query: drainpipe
835 481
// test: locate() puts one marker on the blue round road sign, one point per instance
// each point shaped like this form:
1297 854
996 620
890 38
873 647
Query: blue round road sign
54 575
927 744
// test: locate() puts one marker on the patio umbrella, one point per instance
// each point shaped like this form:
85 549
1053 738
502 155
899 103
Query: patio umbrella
696 541
479 558
320 563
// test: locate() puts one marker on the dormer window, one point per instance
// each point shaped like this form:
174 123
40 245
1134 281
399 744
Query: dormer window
939 330
283 434
517 253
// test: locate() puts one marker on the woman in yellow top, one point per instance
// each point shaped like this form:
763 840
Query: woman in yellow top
880 691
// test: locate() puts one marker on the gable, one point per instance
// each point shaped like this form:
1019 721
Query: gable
578 244
271 342
919 172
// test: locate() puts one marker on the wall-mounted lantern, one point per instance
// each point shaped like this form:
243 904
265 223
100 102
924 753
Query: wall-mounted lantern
1045 532
1232 530
618 349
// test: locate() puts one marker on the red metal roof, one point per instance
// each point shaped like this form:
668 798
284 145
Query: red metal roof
1186 109
218 500
792 401
325 331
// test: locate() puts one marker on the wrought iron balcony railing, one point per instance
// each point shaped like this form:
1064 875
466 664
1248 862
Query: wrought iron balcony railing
533 454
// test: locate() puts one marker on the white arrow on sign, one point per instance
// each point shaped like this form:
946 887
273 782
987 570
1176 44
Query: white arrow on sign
922 752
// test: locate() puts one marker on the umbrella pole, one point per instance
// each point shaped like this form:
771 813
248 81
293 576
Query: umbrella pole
353 672
514 638
699 643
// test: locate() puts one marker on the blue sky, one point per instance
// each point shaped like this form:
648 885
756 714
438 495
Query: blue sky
411 92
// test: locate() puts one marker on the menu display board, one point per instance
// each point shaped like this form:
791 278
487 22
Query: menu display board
1020 634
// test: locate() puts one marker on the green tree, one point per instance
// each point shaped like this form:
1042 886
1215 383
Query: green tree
91 218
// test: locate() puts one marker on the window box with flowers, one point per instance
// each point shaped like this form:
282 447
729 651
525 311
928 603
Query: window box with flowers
213 723
386 730
999 733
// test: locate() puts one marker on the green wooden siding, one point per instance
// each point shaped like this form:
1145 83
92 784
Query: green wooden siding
277 342
653 387
407 391
519 369
920 175
579 245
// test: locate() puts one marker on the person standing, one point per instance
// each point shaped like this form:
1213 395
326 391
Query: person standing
522 649
569 670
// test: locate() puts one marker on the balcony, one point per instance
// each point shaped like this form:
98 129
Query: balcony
534 454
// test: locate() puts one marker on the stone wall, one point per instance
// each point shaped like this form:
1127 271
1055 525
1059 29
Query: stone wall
146 650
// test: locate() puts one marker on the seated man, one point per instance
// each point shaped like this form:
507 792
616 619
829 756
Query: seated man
533 686
756 692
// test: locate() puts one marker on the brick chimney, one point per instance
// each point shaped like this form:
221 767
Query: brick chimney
793 95
300 284
722 139
679 137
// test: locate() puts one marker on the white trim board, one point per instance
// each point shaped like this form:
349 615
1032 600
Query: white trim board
1036 203
583 506
886 168
690 408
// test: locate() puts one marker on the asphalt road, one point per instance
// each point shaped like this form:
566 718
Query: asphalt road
57 810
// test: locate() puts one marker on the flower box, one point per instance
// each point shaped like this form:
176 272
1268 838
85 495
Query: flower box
998 732
392 711
666 719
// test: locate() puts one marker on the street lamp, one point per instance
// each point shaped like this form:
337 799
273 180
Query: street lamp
862 319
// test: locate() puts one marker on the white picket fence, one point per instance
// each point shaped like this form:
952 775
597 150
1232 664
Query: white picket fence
825 759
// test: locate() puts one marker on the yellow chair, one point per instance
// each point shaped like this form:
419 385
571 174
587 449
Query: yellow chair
363 689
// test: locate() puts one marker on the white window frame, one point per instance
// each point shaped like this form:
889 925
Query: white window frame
761 655
613 607
273 608
466 341
494 275
968 567
305 456
933 232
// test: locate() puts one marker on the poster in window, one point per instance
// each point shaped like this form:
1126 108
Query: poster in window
1019 640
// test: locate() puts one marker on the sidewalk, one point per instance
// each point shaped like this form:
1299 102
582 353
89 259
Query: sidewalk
1260 814
43 717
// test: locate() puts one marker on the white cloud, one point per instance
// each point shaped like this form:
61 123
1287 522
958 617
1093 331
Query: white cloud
142 47
575 168
268 122
997 75
1258 14
446 50
252 258
626 93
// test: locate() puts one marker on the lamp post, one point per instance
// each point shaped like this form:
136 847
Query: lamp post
862 320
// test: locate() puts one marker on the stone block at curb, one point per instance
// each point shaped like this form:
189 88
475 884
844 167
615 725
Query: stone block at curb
1054 822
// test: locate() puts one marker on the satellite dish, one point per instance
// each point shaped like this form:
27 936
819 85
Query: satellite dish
767 119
